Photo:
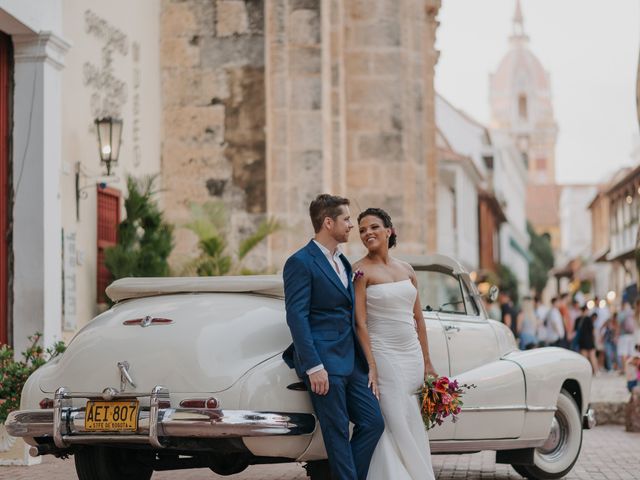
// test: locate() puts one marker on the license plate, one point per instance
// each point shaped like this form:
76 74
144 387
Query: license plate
119 416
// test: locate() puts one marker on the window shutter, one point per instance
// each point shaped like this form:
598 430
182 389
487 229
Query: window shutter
108 221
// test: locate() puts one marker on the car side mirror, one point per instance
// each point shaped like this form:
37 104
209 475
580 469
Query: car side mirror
493 293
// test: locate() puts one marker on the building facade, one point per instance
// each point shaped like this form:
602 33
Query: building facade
302 97
260 105
66 63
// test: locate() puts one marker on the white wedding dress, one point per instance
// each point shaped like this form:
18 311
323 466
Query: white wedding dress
403 450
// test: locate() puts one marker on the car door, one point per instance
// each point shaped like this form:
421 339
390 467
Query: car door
438 350
496 407
440 358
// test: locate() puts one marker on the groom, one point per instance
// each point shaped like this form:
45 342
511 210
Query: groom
320 313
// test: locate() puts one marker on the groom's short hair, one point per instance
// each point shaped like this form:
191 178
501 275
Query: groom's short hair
323 206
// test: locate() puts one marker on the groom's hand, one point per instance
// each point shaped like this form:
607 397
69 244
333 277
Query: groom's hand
319 382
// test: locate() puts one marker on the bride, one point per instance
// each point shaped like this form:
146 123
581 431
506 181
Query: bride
393 335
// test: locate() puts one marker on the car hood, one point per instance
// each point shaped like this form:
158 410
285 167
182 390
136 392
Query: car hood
209 341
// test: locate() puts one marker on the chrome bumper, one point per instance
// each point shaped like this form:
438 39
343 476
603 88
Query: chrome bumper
66 424
589 419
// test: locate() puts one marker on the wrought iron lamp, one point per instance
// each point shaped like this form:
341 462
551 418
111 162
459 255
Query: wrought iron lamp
109 137
109 132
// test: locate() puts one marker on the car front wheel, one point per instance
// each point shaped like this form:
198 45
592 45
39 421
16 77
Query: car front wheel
560 452
108 463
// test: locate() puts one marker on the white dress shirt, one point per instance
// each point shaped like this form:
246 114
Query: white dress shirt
336 263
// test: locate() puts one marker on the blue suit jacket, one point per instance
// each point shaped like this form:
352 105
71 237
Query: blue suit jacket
320 314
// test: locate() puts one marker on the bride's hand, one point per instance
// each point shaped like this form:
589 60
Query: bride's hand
373 381
429 371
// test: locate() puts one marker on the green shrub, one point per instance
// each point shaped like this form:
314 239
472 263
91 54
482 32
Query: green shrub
14 373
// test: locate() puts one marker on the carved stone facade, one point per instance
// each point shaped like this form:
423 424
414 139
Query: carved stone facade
268 104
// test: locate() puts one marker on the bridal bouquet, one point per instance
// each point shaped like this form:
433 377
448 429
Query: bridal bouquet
440 398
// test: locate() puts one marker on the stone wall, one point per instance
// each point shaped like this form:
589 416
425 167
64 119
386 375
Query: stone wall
213 91
345 91
351 111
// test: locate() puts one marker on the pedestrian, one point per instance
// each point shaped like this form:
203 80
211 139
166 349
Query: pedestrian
585 337
555 325
563 307
626 340
603 315
574 313
632 369
610 338
529 325
508 316
540 310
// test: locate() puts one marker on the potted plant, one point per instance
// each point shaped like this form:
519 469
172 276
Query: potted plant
13 375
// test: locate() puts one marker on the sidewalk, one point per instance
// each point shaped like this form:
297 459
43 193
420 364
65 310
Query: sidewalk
608 453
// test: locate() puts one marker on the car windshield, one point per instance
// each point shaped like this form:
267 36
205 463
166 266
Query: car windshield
439 290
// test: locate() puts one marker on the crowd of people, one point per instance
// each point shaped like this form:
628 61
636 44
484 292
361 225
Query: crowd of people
609 338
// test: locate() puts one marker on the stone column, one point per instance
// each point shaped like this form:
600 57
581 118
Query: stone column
297 135
37 278
390 123
430 150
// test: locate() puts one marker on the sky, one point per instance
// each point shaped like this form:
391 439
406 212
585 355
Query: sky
589 47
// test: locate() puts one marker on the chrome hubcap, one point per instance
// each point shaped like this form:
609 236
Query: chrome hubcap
557 441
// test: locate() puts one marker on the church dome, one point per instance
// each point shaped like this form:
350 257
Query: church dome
520 69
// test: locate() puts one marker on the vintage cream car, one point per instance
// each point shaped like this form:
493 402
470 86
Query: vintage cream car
187 372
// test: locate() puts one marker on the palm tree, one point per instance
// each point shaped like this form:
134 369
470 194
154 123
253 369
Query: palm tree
209 221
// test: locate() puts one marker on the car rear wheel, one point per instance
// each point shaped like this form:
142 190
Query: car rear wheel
560 452
107 463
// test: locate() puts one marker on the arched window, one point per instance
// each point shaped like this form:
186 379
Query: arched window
522 106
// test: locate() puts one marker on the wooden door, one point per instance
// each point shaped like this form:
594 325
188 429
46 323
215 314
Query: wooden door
108 220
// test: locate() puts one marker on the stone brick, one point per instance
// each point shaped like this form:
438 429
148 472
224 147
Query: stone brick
368 119
380 34
306 131
304 5
386 147
231 18
236 51
310 162
195 124
387 63
373 91
305 27
178 20
306 93
179 52
279 128
305 61
194 86
357 63
278 92
359 176
361 10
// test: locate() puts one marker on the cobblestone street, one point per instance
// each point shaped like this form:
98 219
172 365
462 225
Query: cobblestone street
609 453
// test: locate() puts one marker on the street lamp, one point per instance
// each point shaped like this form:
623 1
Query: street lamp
109 131
109 137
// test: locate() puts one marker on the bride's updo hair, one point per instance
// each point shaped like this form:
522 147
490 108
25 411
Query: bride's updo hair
386 221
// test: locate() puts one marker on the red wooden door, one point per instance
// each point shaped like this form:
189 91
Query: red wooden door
108 220
6 75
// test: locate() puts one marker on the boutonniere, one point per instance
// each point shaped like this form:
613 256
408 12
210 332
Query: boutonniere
357 274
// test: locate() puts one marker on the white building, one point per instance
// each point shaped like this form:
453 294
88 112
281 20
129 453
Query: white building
65 63
510 186
462 143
